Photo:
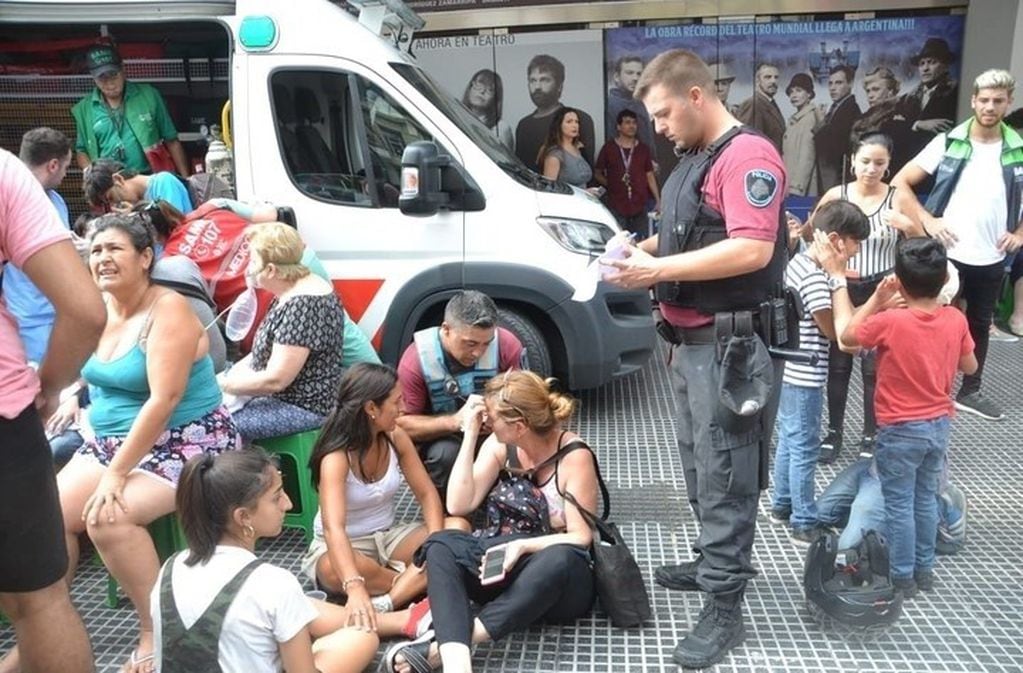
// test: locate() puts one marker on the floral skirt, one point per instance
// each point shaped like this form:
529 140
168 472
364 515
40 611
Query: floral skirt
213 433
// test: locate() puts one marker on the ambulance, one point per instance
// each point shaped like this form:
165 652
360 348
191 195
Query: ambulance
324 101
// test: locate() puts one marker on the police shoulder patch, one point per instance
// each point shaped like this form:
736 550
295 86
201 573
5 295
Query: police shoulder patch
761 186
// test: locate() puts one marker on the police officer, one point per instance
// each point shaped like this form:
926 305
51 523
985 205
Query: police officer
720 255
442 367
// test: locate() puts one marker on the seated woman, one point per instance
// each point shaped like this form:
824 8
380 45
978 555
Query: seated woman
294 368
546 565
155 404
222 258
216 604
358 464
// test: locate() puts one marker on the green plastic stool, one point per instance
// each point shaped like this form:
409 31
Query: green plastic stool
167 538
294 452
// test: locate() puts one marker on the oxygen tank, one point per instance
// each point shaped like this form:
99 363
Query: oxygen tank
219 160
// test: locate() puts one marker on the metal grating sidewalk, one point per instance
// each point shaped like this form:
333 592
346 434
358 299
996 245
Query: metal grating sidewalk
972 622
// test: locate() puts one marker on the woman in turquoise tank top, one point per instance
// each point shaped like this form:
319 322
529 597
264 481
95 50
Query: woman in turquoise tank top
155 404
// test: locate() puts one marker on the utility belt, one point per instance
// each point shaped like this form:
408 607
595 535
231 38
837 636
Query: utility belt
776 322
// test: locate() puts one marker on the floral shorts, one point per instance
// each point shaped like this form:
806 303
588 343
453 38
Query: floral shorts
213 433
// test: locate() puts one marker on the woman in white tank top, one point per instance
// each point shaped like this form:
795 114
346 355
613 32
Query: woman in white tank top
358 464
871 154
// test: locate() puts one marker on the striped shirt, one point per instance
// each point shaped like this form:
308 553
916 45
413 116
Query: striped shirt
877 253
809 281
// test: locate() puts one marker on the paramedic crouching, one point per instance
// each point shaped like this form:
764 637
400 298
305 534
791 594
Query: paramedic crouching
442 367
719 255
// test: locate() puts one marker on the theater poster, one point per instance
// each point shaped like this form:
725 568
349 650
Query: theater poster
490 74
838 78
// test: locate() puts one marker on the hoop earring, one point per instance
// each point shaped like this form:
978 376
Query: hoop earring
887 173
248 530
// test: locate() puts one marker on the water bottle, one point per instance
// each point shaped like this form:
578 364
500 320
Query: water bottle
242 315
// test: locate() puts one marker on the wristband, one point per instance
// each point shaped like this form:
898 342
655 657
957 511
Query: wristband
356 578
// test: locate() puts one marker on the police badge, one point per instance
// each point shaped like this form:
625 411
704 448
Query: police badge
761 187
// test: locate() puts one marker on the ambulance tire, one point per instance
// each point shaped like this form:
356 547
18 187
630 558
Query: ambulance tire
538 355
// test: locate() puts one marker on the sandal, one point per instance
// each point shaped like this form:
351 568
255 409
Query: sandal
134 661
416 653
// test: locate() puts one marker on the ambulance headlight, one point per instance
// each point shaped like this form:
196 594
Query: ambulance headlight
579 236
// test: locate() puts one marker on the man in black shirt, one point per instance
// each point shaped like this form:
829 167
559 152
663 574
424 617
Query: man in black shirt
546 79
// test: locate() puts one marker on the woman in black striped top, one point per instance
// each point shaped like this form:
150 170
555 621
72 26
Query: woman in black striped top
871 154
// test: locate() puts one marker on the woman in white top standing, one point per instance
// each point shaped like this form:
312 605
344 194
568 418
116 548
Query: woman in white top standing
217 607
357 464
871 154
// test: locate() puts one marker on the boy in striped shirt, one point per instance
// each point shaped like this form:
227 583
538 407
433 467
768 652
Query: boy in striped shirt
818 275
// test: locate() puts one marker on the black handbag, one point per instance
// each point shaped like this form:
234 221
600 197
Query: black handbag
619 581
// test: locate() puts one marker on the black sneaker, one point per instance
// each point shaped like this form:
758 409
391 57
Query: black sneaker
907 586
719 628
867 446
804 537
680 577
977 403
830 447
780 515
924 580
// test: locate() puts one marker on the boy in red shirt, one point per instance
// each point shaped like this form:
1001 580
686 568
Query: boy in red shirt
919 349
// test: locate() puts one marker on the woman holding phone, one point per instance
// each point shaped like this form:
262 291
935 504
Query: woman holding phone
539 564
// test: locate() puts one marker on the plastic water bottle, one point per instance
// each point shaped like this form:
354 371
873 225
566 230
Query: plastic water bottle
219 160
242 315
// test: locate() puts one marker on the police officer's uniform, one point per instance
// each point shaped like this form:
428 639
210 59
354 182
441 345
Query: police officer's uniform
724 454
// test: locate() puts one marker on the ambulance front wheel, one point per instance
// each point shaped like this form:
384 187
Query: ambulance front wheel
538 355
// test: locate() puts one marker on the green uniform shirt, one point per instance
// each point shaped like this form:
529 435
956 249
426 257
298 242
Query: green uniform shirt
114 137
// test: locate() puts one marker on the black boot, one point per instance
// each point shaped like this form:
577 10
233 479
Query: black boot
681 577
718 629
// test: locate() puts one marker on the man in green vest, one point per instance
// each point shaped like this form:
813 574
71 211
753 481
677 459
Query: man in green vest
975 210
123 120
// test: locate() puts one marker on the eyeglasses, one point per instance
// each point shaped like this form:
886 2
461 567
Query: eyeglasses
483 87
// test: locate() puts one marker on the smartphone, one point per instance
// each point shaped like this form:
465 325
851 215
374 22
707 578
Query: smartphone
493 566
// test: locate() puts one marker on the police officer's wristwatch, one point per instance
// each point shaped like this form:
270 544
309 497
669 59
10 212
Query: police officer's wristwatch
837 283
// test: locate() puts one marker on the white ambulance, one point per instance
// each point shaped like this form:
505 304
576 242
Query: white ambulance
322 110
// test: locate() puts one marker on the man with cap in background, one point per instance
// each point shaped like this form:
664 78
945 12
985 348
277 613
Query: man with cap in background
125 121
723 78
930 108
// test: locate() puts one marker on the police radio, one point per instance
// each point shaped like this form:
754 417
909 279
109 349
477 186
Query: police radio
779 326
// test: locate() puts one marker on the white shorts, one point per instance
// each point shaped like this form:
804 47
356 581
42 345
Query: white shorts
378 546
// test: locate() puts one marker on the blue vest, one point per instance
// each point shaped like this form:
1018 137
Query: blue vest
447 391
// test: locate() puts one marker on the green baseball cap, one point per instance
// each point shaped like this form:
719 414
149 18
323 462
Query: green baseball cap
102 60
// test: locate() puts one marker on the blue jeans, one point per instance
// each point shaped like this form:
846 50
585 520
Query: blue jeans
910 458
799 444
64 446
853 502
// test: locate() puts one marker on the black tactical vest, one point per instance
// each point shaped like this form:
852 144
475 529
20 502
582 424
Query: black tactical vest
690 224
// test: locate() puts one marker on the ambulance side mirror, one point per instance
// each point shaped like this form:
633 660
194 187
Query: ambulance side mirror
422 192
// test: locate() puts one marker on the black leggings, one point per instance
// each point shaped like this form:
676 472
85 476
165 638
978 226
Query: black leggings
840 367
552 585
979 287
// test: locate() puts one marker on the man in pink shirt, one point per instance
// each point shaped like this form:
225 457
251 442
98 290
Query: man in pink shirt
719 256
33 557
442 367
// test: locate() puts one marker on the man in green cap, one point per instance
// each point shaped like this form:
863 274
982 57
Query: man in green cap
125 121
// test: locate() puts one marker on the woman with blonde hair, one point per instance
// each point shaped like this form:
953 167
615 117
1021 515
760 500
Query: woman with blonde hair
524 471
294 368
